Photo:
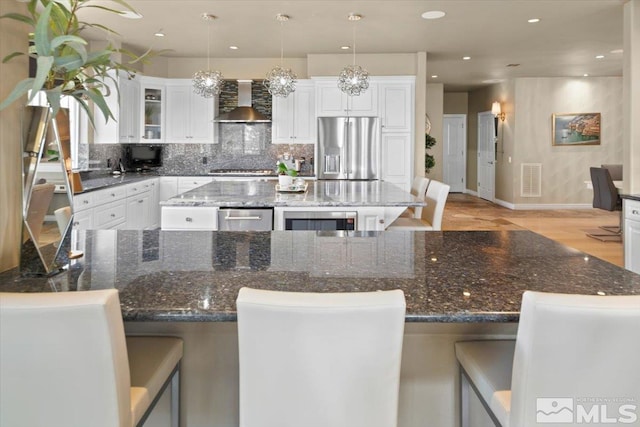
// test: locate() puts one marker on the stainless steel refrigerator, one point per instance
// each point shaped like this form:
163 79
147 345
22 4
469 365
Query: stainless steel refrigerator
348 148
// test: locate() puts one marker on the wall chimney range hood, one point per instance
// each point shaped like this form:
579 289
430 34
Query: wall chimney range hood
243 112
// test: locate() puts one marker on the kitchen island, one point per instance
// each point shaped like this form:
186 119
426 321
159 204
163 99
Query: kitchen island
458 285
377 203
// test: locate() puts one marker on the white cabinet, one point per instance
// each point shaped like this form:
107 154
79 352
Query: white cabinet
396 112
168 187
129 114
371 219
189 218
152 116
189 115
126 110
186 183
396 105
632 235
396 156
294 118
139 205
331 101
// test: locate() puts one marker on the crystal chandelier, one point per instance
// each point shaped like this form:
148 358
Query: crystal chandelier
281 81
208 83
353 79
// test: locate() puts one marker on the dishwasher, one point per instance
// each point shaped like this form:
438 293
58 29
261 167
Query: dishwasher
245 219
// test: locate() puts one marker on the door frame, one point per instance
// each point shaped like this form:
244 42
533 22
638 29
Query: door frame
464 145
488 116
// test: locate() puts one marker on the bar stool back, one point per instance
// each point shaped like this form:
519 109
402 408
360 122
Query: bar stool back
65 362
319 359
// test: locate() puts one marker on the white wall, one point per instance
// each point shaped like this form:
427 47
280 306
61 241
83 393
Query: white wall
564 169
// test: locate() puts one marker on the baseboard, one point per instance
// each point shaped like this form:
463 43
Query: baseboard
551 206
505 204
471 192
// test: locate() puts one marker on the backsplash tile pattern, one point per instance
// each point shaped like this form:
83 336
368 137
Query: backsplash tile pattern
260 97
188 159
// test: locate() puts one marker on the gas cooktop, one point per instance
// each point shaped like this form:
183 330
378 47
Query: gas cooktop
243 172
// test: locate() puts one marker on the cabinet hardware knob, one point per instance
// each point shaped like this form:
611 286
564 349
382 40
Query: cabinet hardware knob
113 194
188 219
113 215
76 223
140 201
635 212
85 202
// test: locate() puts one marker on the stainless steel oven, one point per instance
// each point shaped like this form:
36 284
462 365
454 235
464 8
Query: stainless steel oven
320 220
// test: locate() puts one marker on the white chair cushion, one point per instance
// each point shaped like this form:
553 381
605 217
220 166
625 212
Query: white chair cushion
151 361
488 365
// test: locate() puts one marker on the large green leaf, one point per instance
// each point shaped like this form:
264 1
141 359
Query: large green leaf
41 37
19 17
11 56
53 96
68 39
99 101
21 89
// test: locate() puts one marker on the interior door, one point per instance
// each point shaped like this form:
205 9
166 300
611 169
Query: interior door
486 156
455 151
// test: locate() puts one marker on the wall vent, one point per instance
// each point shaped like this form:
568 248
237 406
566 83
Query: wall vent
531 180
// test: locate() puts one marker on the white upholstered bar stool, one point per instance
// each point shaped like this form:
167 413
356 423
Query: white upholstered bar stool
64 362
418 189
431 215
319 359
567 347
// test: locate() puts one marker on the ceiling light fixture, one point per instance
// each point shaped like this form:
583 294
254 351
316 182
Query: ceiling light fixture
353 79
345 47
233 47
533 20
585 75
617 51
208 83
159 33
599 56
281 81
466 58
435 76
433 14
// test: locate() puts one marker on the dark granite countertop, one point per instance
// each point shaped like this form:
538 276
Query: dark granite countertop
631 196
98 181
451 276
260 194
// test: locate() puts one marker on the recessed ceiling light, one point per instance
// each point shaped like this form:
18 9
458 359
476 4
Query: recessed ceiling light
599 56
617 51
130 14
585 75
159 33
533 20
466 58
435 76
433 14
345 47
233 47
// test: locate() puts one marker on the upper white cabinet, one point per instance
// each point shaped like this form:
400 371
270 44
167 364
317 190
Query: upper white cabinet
129 115
189 115
152 101
126 110
331 101
396 105
294 118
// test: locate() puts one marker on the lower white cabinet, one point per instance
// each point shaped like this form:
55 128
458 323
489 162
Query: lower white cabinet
131 206
632 235
189 218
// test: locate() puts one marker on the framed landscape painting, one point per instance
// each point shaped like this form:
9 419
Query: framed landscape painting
576 129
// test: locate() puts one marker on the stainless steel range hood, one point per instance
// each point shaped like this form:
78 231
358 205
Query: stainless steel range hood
243 112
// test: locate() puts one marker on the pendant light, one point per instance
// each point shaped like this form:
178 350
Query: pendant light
208 83
353 79
280 81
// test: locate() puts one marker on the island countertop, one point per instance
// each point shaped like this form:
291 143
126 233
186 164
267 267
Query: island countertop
451 276
261 194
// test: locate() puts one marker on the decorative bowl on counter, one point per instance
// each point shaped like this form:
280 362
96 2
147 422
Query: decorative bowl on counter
292 188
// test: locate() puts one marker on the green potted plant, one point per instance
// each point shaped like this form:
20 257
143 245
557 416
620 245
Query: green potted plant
64 65
429 160
285 174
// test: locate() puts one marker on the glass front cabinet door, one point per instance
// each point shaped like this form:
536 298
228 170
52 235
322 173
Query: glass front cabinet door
153 110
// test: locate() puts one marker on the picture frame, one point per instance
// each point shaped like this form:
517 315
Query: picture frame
569 129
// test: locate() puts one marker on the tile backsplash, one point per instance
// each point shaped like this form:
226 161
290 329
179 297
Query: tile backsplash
254 151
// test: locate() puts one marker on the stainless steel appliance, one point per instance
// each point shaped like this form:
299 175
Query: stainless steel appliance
325 221
245 219
348 148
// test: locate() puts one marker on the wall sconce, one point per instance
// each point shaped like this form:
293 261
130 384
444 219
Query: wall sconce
496 110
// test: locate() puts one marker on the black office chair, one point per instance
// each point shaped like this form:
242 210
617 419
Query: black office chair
605 196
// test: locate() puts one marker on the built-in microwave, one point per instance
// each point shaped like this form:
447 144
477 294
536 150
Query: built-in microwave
142 156
320 220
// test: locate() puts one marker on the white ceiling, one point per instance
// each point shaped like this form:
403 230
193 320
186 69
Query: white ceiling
493 32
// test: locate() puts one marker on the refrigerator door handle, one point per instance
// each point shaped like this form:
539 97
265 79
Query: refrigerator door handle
347 165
